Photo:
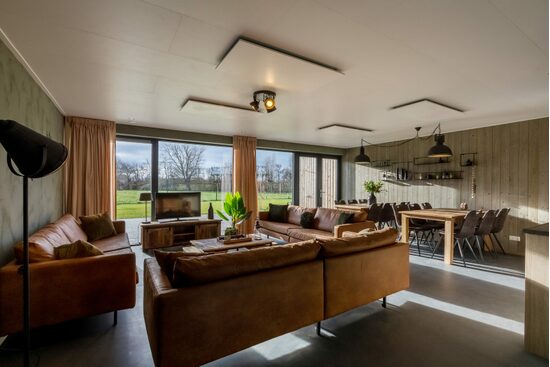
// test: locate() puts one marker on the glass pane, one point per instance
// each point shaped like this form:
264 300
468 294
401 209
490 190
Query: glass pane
133 176
196 167
274 173
308 181
329 182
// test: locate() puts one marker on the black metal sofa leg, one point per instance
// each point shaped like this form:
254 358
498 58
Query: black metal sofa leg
115 318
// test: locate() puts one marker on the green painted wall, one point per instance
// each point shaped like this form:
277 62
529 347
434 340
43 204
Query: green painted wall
22 100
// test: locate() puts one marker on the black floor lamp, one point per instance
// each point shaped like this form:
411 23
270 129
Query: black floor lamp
34 156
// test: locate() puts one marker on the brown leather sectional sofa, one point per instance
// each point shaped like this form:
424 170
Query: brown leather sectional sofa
63 290
224 303
325 224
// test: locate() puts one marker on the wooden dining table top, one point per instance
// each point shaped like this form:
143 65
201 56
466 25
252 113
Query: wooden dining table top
436 214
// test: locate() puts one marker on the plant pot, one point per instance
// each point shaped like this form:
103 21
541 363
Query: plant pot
231 231
372 199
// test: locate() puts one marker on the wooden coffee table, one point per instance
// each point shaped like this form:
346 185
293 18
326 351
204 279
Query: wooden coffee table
213 245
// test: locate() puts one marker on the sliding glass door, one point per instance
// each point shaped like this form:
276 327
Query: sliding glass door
318 180
133 176
307 173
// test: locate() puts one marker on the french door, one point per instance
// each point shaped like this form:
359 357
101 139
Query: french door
317 180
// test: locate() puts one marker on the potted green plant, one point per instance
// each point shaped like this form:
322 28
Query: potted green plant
373 187
235 212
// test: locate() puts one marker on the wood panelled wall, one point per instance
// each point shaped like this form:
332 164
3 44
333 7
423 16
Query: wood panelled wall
511 171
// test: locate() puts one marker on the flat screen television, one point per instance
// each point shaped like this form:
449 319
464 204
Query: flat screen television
176 205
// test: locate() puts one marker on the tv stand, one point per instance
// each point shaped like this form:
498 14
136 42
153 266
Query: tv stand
178 232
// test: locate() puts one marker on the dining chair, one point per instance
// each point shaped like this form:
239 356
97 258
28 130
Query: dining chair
374 213
414 227
429 226
386 217
426 206
463 234
363 201
498 225
340 202
352 201
484 229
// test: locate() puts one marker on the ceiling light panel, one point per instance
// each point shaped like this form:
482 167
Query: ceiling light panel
343 128
268 66
427 110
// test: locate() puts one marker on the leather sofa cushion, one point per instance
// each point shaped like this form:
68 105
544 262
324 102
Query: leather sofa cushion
295 213
39 250
113 243
69 225
167 260
326 219
42 244
305 234
205 269
341 246
277 226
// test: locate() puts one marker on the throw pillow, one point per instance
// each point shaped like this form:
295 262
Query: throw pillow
278 213
76 249
167 260
306 219
98 226
345 218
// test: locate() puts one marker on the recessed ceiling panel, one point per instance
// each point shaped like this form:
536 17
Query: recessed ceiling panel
271 67
426 110
343 128
194 105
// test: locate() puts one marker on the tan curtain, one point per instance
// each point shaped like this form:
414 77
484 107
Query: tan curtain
90 169
244 176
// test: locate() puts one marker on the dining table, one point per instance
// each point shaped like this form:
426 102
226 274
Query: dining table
448 215
353 207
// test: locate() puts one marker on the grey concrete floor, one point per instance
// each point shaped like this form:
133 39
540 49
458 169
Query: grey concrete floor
450 316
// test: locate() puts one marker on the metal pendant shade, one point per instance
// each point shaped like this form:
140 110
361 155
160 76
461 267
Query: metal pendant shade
362 158
34 154
440 150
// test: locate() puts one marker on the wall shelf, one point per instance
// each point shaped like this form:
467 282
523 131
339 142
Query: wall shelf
421 161
468 159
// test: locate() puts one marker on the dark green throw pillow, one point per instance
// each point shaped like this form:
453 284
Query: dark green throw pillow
278 213
345 218
75 250
98 226
306 220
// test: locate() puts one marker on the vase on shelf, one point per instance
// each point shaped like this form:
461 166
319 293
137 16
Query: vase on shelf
371 199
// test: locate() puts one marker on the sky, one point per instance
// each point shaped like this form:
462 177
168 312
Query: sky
213 155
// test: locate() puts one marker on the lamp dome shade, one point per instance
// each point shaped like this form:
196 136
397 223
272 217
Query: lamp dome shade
362 158
145 196
440 150
34 154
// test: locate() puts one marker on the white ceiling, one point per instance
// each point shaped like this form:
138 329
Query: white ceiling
140 60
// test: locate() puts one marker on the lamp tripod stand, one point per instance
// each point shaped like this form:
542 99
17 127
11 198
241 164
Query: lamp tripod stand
35 156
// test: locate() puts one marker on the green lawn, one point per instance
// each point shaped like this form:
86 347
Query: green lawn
128 206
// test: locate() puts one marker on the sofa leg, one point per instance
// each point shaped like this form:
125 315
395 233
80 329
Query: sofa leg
384 302
115 318
318 328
